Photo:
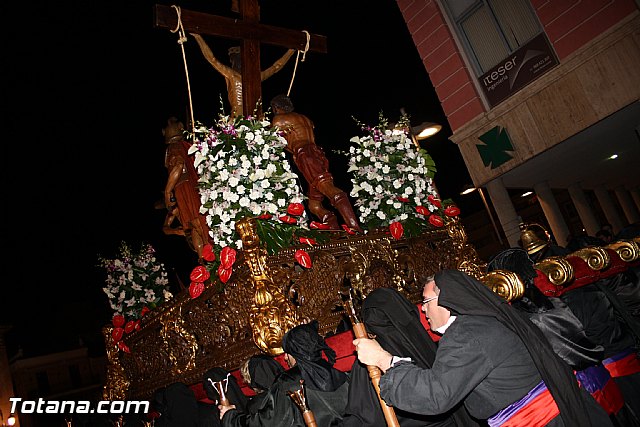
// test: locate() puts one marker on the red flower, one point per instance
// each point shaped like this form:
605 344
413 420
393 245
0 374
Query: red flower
199 274
224 273
116 334
436 221
144 310
348 229
129 327
397 230
227 257
307 241
287 219
422 210
452 211
138 327
207 253
403 199
122 346
195 289
435 202
303 258
295 209
265 216
315 225
118 320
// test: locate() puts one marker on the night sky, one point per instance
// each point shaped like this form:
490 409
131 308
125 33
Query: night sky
87 89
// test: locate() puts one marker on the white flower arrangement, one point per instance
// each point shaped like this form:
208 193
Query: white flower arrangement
136 282
393 179
244 172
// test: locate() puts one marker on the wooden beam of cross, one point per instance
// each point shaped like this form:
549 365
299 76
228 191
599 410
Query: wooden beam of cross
249 31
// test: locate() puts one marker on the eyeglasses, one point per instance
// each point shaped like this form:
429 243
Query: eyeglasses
426 300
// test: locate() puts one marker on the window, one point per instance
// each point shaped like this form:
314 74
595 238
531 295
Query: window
492 29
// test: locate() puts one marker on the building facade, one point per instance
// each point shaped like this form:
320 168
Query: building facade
541 95
71 375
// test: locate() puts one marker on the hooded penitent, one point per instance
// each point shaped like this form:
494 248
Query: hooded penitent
263 371
395 322
233 391
305 344
557 322
177 406
463 295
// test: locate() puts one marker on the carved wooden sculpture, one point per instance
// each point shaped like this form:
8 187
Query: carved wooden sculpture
181 196
311 161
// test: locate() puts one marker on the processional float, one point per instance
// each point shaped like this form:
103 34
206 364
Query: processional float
269 293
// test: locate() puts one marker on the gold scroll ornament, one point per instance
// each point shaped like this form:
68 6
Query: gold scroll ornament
596 258
504 283
627 250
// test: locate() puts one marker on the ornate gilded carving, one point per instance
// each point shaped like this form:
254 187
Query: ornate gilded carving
315 290
595 257
224 328
466 255
505 283
271 313
117 383
181 351
627 250
363 257
557 269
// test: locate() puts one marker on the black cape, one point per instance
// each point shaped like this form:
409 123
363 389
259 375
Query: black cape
326 388
464 295
395 322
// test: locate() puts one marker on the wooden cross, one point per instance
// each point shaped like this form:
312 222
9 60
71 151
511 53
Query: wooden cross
250 31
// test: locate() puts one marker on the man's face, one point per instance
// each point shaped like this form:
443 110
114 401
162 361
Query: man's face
436 315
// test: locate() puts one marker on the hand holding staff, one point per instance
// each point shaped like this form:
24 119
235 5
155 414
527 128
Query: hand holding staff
221 388
300 399
374 372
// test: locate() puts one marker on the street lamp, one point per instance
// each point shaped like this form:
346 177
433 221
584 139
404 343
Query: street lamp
470 189
423 131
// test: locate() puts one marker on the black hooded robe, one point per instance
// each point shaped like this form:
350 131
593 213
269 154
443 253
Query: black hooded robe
395 322
326 388
489 357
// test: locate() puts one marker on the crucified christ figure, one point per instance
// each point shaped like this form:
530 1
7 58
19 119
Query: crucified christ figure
232 74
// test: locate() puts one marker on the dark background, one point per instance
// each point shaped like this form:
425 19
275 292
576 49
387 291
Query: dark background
87 89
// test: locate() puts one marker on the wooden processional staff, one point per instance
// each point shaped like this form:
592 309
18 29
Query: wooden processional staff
360 331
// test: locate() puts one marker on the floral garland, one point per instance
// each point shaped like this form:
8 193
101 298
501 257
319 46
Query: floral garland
135 284
244 172
393 181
